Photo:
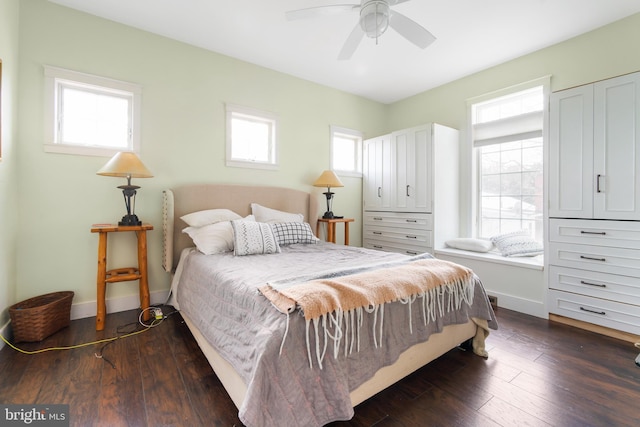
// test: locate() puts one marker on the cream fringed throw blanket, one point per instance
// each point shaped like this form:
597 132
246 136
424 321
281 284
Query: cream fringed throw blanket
336 305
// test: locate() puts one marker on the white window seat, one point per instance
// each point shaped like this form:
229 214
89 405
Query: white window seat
535 263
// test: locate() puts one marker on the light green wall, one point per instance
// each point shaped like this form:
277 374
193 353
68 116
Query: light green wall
183 140
9 161
184 91
606 52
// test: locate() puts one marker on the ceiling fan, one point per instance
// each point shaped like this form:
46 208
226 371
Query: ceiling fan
376 16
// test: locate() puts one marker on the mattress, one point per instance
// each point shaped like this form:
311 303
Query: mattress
269 350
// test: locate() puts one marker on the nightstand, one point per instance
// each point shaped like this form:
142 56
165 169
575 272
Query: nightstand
121 274
331 228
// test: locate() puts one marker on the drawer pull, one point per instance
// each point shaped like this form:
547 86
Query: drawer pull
599 285
378 233
592 258
377 247
601 233
412 253
411 220
602 313
411 237
377 218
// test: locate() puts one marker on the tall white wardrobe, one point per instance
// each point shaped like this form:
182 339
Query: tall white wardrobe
410 189
593 260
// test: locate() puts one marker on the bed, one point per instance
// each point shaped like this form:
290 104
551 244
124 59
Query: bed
278 366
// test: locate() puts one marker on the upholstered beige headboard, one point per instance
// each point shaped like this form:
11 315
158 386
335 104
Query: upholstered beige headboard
185 199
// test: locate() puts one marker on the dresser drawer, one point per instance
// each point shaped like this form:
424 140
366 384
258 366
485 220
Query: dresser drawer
618 234
396 247
399 219
596 258
623 317
612 287
405 236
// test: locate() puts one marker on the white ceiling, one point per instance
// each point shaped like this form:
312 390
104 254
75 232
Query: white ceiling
471 35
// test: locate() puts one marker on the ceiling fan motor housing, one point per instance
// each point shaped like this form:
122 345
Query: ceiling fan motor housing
374 18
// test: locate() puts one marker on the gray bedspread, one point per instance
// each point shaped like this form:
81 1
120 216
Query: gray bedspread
219 294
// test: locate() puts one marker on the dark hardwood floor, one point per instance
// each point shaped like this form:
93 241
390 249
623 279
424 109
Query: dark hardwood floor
539 373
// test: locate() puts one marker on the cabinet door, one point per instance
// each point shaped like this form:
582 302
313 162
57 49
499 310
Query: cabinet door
376 170
616 148
412 172
571 178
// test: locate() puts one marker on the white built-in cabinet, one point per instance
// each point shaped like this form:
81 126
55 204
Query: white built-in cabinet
593 261
410 189
594 157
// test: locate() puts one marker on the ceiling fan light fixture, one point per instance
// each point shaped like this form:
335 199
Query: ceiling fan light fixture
374 18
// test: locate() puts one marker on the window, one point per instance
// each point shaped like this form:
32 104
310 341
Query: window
346 151
251 138
90 115
508 148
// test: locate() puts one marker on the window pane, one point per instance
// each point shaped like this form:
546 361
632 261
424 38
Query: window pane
510 188
344 154
346 151
94 119
251 140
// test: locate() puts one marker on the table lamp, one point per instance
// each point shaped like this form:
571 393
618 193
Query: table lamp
328 179
127 165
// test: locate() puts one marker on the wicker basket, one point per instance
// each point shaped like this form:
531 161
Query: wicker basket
38 317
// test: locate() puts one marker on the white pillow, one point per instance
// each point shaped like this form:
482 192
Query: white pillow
250 238
517 243
264 214
213 238
470 244
288 233
209 216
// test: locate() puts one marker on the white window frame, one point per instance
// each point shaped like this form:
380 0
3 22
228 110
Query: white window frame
58 78
252 114
356 136
545 82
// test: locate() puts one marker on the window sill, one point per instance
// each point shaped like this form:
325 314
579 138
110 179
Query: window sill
534 263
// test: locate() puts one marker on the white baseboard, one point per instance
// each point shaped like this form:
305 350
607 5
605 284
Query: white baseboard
522 305
115 305
4 331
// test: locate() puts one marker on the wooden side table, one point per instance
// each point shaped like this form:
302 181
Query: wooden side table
331 228
121 274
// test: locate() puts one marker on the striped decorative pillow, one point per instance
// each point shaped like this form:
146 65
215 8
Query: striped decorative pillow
251 238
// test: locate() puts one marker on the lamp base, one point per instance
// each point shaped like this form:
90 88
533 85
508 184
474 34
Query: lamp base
328 215
129 220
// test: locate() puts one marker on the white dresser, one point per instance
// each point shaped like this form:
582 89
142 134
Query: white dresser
593 262
410 187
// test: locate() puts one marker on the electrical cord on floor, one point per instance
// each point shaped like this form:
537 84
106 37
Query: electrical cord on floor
157 319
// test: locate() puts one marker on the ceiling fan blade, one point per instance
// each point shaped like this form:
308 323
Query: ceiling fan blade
334 9
351 44
393 2
411 30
